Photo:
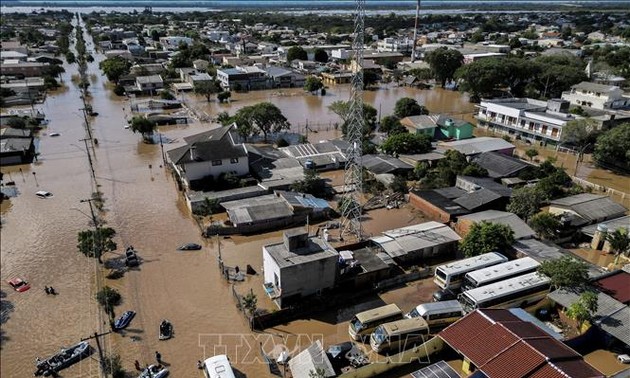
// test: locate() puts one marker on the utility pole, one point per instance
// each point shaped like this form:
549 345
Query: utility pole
87 121
87 150
162 148
101 355
415 33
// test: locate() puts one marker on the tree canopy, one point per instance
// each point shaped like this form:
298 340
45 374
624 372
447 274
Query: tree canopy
311 184
565 272
296 52
619 241
313 83
444 62
207 88
406 107
484 237
263 117
580 132
546 225
321 55
94 243
612 149
114 68
391 125
525 202
342 109
406 143
143 126
583 309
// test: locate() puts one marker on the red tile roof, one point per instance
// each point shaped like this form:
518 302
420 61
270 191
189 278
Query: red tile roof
616 285
502 346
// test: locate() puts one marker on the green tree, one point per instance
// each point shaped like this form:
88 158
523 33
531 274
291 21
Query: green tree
485 237
342 109
263 117
613 148
70 58
317 373
421 74
224 118
250 303
619 242
391 125
475 170
579 132
526 202
207 89
166 95
321 56
399 185
311 184
369 78
406 107
208 207
143 126
94 243
444 62
114 68
406 143
583 309
296 52
313 83
546 225
113 365
565 272
224 96
558 74
108 297
482 77
531 153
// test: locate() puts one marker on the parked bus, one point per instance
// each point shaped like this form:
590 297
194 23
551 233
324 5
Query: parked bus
364 323
450 276
514 292
399 335
438 314
218 367
499 272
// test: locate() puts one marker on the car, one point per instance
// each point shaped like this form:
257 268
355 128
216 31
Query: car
43 194
444 295
189 247
623 358
54 134
19 284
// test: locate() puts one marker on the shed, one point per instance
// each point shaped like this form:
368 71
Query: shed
520 228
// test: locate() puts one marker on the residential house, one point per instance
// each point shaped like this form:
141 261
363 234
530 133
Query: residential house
394 44
125 54
284 78
586 208
532 119
210 153
299 266
16 146
598 96
13 55
498 343
149 84
147 69
417 243
325 155
198 78
22 69
500 165
475 146
382 58
172 43
475 57
305 66
201 65
242 78
273 169
385 164
332 78
13 46
438 126
438 204
520 228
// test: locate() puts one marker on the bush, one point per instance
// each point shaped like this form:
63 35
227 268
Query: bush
108 298
119 90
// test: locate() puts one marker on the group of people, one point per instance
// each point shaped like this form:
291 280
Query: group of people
50 290
158 359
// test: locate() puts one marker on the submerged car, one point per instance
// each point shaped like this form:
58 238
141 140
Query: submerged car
19 284
43 194
189 247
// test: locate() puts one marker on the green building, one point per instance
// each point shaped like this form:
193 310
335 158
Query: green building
439 126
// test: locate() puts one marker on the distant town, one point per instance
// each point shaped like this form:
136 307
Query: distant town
300 194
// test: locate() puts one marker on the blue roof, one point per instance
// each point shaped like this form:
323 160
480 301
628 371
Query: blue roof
316 203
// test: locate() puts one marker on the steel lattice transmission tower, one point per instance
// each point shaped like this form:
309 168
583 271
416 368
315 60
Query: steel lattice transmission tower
353 174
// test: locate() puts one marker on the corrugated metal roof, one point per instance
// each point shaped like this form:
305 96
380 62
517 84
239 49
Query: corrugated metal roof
500 165
591 207
310 360
617 285
612 224
521 229
401 241
437 370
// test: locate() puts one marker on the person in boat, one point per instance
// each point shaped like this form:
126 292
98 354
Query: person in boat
52 291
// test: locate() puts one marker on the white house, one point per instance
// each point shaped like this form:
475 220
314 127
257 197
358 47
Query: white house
393 44
526 117
299 266
172 43
598 96
211 153
149 83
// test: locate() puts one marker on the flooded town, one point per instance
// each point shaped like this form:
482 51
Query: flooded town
350 191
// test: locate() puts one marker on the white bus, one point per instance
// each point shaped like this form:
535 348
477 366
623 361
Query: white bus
363 323
499 272
450 276
218 367
399 335
438 314
514 292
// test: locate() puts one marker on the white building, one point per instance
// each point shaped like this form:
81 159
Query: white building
299 266
211 153
392 44
598 96
526 117
172 43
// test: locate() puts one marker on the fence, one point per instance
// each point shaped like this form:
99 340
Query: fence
623 196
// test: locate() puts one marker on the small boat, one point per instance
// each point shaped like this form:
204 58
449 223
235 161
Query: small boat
166 330
154 371
124 320
63 359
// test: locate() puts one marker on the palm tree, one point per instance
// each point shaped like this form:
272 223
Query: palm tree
619 242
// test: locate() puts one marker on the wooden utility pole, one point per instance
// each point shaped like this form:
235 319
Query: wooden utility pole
101 355
87 150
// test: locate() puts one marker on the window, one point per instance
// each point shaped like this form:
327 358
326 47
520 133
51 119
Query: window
554 132
234 160
216 162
